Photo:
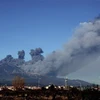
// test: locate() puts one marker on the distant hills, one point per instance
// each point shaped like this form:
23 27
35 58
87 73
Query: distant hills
9 71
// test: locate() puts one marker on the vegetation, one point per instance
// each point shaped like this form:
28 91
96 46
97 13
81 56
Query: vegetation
18 82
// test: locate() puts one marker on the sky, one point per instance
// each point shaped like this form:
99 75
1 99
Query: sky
49 24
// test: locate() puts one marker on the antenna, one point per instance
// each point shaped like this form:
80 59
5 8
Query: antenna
66 82
38 79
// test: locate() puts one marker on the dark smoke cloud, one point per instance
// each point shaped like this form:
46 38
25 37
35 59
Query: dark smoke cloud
21 54
36 54
8 58
81 50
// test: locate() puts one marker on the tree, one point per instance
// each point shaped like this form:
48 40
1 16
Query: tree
18 82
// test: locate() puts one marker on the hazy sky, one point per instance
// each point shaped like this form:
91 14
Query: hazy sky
28 24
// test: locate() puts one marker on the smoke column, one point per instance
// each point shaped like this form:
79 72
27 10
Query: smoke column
81 50
36 54
21 54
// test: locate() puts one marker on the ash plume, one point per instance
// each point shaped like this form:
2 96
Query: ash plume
80 51
8 58
36 54
21 54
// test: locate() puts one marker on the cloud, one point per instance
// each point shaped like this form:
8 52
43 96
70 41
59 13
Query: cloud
82 49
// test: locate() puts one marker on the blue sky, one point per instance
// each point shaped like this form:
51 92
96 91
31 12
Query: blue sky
29 24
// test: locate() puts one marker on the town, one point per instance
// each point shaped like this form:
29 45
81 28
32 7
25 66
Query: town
19 91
